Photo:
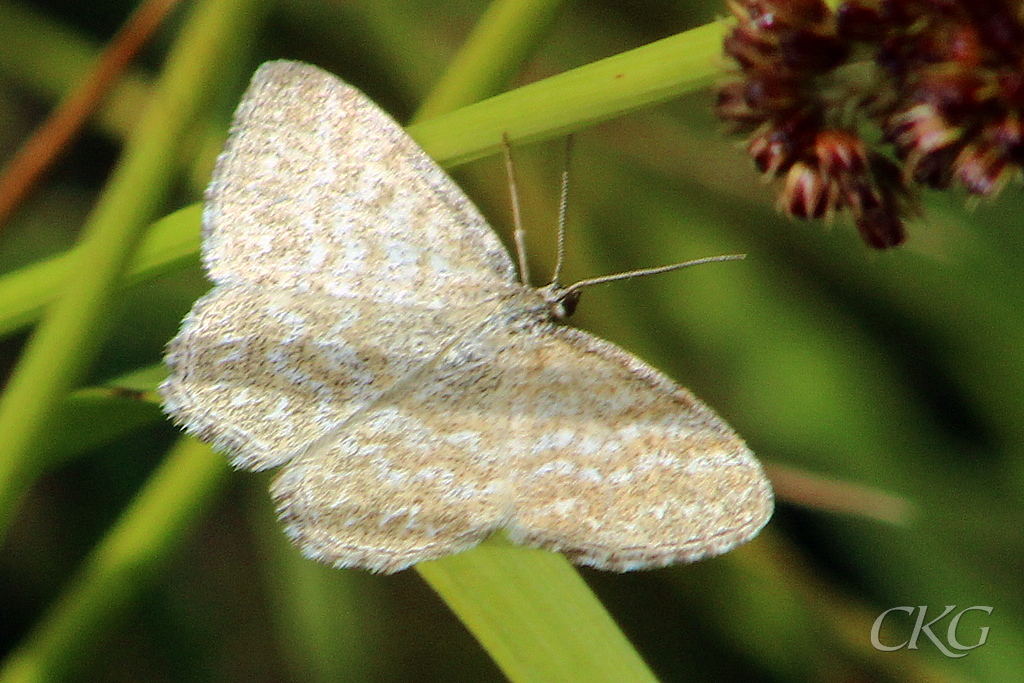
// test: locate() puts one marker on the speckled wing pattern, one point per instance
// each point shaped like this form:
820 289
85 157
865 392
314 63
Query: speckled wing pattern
367 334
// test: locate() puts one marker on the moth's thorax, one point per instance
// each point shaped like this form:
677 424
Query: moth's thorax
523 305
532 305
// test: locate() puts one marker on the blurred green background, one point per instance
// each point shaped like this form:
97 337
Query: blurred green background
898 372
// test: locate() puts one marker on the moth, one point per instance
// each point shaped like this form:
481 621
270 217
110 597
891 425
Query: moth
368 335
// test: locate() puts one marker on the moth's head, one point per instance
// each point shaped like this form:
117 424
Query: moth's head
561 301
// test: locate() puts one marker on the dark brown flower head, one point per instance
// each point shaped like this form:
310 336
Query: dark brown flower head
941 80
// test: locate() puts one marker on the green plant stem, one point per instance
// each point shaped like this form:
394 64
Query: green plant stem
167 245
120 566
74 326
581 97
534 615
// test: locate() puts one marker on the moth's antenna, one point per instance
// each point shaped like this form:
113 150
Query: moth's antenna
577 286
518 233
561 300
563 202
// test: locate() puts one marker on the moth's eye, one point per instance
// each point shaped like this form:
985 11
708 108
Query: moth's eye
569 303
564 306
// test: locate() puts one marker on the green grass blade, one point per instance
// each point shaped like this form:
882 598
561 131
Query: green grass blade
168 244
578 98
534 615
